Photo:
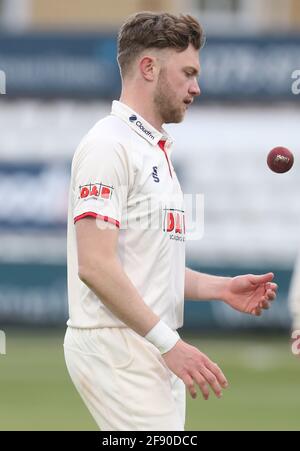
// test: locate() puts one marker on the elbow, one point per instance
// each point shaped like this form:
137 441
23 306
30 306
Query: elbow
89 272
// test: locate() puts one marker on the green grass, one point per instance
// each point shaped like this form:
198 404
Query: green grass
264 378
264 392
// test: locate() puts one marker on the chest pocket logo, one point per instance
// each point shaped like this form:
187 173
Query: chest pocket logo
154 174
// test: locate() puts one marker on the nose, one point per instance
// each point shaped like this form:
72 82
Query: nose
195 89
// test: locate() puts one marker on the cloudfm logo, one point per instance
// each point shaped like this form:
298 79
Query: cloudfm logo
133 119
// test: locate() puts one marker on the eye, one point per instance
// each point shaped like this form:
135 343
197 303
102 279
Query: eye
192 74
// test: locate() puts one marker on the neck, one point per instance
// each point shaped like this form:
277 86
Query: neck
143 107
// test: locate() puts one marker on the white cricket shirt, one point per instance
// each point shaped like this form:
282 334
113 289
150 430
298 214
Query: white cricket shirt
122 173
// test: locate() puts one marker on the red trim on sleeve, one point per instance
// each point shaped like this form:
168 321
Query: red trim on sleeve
94 215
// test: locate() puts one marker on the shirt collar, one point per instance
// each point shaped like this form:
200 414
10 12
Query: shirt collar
139 124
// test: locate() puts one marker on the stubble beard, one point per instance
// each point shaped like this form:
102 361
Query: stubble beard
165 102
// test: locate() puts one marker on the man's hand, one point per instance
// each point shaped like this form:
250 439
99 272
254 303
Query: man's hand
195 368
250 293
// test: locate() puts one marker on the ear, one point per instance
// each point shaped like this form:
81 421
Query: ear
148 68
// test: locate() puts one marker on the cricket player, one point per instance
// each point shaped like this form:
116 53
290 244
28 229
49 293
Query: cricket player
294 297
127 279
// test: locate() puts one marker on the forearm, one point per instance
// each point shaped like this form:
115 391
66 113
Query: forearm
110 284
199 286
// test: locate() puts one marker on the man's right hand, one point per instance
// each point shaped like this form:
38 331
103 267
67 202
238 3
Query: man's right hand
194 367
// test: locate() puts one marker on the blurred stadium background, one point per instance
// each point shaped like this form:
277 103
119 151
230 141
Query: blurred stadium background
61 76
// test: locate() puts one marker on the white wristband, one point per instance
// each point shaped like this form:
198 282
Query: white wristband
162 337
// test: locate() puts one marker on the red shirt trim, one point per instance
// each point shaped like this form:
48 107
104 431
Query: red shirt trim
95 215
161 144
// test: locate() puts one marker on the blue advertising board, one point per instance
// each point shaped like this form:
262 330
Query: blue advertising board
36 294
33 283
33 196
84 66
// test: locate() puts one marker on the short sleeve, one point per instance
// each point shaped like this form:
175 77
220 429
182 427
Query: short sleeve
100 181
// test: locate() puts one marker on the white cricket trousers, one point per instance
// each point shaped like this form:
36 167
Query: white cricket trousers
124 381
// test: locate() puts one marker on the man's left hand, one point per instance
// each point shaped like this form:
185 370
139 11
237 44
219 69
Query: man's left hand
250 293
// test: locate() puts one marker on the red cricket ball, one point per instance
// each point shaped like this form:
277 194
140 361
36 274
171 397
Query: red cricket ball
280 159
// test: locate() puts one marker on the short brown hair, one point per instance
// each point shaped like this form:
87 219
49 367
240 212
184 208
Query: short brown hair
145 30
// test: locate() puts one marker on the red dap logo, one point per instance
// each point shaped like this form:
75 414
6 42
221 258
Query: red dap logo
174 221
95 190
